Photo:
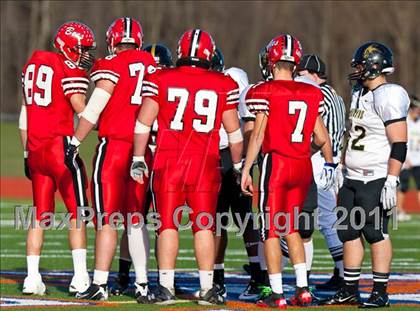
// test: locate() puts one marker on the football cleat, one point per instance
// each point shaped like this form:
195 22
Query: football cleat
376 300
333 284
34 286
251 292
302 297
143 294
79 284
164 296
342 297
94 292
273 300
120 286
211 296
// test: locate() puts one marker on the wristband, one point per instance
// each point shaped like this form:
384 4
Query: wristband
25 154
74 141
237 166
138 159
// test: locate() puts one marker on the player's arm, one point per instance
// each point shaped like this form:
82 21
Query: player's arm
147 115
247 130
322 141
231 124
254 145
23 131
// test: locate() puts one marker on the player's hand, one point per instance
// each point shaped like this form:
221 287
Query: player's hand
26 166
389 193
246 184
70 156
341 173
237 172
139 169
328 177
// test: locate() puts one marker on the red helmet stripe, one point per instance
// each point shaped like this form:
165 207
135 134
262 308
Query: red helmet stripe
194 42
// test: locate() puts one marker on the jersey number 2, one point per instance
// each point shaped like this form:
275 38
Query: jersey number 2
294 106
201 97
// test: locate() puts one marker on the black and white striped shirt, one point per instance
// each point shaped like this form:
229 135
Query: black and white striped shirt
334 116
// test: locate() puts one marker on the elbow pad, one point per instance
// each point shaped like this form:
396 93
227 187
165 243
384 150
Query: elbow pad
399 151
235 136
23 123
96 104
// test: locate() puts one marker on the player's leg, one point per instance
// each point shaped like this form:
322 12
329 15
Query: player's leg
43 188
269 202
72 184
353 250
416 175
375 232
122 280
403 188
327 218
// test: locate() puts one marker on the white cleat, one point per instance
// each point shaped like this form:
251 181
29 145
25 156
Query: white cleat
33 286
79 284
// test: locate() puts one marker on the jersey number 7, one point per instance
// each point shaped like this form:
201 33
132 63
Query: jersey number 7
294 107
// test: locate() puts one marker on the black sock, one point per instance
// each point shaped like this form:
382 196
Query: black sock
124 267
380 282
219 276
255 271
308 273
351 279
265 281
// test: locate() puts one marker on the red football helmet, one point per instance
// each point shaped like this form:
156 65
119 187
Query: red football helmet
284 48
74 40
124 30
196 47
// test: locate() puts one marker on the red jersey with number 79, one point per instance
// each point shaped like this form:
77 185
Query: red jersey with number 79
292 109
127 70
191 102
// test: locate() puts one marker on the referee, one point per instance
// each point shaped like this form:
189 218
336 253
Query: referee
313 68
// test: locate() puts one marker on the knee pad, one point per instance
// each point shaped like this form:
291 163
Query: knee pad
306 224
347 235
372 235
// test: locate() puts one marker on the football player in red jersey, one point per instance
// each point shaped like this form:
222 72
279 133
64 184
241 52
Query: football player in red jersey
286 120
114 105
163 58
190 102
54 88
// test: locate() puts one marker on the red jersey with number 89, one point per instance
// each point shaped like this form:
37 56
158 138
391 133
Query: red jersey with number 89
292 109
191 104
48 82
126 70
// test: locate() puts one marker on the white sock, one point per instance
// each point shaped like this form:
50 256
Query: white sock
79 261
340 266
300 271
100 277
276 283
309 254
219 266
138 245
206 279
32 262
261 257
167 278
284 262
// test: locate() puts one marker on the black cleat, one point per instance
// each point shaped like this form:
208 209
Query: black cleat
333 284
120 286
376 300
164 296
342 297
273 300
94 292
211 296
251 292
143 295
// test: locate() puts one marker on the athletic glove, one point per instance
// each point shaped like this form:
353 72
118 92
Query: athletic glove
389 193
26 165
341 173
71 153
139 169
237 172
328 177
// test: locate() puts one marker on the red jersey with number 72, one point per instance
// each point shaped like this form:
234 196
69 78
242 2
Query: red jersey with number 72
126 70
191 104
48 82
292 109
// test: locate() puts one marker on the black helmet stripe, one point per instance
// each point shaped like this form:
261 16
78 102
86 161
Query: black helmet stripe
195 41
127 27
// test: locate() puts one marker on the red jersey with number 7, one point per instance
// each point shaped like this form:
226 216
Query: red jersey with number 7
292 109
48 82
191 104
127 70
